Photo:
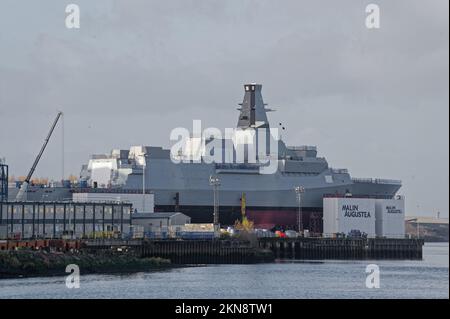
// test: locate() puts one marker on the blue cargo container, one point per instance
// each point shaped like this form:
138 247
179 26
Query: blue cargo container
66 183
83 184
157 235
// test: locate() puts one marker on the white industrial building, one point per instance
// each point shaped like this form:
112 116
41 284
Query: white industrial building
375 217
141 203
390 217
346 214
170 222
26 220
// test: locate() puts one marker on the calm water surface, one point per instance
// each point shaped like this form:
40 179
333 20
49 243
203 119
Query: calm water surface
285 279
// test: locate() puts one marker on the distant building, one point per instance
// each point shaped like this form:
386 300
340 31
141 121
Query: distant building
431 229
426 220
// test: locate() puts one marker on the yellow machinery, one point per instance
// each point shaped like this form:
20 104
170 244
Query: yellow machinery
245 224
243 206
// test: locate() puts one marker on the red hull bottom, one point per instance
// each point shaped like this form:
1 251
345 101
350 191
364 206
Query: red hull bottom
262 218
269 219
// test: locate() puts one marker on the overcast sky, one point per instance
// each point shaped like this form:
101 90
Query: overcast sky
373 101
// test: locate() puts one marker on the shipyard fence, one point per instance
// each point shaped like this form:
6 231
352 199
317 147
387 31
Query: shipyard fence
29 220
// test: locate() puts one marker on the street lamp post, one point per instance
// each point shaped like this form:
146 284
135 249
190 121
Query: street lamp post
418 230
70 224
214 181
299 190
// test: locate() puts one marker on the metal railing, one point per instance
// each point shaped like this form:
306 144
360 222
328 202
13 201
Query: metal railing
302 148
377 181
238 166
339 170
359 196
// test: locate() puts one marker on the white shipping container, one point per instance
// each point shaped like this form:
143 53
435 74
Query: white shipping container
343 215
390 218
198 228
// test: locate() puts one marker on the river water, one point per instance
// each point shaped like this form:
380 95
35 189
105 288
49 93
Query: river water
285 279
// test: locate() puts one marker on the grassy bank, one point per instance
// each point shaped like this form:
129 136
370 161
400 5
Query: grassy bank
29 263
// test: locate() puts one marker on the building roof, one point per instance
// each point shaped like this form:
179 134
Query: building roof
155 215
426 220
90 190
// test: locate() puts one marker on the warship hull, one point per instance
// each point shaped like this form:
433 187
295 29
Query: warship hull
185 186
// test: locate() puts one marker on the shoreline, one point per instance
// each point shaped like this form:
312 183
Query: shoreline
29 264
16 264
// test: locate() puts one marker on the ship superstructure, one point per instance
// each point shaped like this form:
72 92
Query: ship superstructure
270 198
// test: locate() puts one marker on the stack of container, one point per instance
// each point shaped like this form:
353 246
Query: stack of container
346 216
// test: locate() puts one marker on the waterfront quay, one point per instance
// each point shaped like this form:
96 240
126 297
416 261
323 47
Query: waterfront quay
94 226
190 251
225 251
344 248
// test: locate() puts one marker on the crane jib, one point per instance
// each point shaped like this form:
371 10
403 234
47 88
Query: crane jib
36 161
38 157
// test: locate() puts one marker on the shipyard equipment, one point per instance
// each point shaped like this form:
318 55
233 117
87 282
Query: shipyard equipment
214 181
3 181
299 190
23 188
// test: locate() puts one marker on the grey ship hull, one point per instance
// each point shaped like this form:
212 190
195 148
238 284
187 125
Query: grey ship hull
267 208
270 199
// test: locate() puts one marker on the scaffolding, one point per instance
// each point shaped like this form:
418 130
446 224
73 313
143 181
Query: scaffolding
54 220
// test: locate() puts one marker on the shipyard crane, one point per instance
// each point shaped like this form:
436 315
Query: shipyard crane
23 188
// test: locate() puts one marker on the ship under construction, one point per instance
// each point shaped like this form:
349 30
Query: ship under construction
271 199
